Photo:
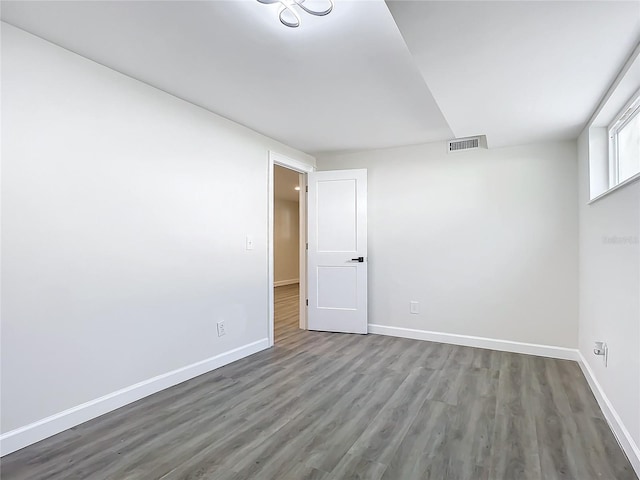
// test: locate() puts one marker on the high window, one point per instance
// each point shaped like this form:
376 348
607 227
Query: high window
624 143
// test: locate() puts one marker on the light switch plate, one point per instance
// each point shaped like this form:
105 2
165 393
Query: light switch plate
249 242
414 307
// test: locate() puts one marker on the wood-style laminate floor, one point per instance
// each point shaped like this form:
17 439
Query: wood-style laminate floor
334 406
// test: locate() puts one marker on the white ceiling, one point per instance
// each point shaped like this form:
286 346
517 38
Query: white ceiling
522 71
518 72
344 81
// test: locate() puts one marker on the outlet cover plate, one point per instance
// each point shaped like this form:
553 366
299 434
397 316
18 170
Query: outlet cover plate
221 330
414 307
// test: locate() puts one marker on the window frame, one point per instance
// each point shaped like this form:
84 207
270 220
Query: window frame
628 113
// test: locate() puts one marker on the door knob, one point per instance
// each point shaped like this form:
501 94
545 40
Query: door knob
359 259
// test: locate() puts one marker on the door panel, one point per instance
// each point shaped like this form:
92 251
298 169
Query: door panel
337 235
338 287
337 225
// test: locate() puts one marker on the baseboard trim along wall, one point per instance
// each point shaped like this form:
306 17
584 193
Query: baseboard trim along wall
623 436
478 342
34 432
282 283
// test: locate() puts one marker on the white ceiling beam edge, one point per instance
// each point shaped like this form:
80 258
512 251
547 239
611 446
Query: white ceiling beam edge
518 72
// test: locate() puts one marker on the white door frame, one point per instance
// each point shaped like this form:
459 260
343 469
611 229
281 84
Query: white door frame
300 167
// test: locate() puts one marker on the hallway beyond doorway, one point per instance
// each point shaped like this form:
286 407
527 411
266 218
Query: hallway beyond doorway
287 315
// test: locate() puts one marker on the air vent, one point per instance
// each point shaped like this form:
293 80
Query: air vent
470 143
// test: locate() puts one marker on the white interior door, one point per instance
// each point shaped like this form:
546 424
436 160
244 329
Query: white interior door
337 256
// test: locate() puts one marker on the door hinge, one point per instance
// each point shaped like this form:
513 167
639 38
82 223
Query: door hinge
307 302
307 245
306 189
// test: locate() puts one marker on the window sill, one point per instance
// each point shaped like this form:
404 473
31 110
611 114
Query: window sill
628 181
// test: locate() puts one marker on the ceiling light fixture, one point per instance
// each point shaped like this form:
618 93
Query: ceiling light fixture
288 13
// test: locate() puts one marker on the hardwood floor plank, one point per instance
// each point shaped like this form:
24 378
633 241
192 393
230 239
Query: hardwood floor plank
443 467
579 395
605 458
299 435
424 439
353 467
334 440
302 472
329 406
517 455
384 433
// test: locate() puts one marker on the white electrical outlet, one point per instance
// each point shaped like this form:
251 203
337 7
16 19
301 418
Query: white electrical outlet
602 349
414 307
221 331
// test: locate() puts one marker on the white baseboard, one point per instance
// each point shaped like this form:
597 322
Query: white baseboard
282 283
623 436
478 342
34 432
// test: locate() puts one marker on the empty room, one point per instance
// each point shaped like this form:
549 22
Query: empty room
320 239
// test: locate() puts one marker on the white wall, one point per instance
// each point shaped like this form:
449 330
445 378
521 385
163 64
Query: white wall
485 240
610 292
117 255
286 221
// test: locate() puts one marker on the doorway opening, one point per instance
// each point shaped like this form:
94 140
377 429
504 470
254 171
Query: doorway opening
286 252
287 247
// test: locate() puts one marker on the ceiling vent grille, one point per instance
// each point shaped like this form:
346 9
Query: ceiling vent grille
470 143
